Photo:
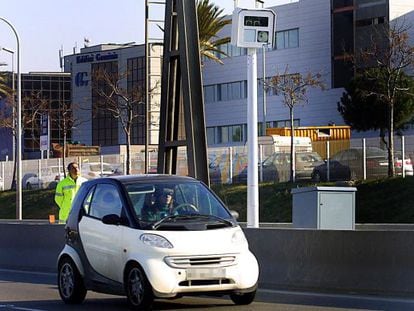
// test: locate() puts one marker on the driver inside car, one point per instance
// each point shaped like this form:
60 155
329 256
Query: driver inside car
162 206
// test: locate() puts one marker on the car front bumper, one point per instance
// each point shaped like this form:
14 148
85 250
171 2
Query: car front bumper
167 281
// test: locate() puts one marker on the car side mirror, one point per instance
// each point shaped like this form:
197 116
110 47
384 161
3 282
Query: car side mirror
235 214
113 219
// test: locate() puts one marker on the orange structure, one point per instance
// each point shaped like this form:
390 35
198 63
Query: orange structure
338 136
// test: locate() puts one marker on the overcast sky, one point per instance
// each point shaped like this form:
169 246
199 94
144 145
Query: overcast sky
46 26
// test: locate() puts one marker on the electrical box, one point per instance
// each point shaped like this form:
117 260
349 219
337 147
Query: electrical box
331 208
253 28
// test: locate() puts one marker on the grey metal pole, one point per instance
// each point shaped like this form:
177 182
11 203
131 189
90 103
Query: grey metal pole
146 126
13 103
19 128
264 90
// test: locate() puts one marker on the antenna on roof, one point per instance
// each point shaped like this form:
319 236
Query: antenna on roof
61 58
75 47
86 42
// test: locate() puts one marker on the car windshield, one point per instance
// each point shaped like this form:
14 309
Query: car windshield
161 204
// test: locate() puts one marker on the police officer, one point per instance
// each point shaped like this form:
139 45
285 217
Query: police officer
66 190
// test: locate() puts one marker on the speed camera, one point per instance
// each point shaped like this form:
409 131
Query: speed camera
252 28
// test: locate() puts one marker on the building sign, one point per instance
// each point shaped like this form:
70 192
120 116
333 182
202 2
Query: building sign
89 58
81 79
44 132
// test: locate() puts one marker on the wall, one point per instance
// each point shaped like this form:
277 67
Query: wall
374 261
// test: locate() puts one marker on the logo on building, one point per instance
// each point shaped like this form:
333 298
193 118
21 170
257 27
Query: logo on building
81 79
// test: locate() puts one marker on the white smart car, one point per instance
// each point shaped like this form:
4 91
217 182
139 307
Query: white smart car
153 236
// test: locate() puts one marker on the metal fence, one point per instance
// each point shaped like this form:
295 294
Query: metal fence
333 160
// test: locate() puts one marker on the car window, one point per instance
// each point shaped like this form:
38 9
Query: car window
150 203
105 201
87 201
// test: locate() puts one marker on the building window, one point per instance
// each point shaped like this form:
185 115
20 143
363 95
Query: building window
370 21
210 135
287 39
230 50
230 134
210 93
232 91
136 85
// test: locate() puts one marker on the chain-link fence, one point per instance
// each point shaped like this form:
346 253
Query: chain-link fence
324 161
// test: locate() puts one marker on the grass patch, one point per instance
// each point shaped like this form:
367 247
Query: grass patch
377 201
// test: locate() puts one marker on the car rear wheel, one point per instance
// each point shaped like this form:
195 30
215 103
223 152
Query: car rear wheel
316 177
70 283
243 298
139 290
29 186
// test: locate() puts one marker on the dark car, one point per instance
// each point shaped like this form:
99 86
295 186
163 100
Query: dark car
153 236
348 165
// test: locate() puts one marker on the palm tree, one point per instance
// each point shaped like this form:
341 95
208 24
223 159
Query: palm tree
210 22
4 89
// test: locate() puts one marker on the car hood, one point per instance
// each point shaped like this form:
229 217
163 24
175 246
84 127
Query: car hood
217 241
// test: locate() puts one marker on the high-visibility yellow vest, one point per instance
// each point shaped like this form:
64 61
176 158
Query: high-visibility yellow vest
65 192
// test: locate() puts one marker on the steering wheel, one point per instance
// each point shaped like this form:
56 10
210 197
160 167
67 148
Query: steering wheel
184 208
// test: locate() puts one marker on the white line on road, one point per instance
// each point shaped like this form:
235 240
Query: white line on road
19 308
345 296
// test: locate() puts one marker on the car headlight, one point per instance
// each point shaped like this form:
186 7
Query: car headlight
155 240
238 237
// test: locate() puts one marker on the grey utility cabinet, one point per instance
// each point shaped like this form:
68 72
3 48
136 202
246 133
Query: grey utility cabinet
324 208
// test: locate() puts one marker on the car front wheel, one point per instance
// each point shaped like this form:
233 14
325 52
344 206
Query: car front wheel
139 290
70 283
243 298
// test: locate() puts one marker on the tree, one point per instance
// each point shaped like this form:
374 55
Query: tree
4 89
383 64
32 107
125 105
210 22
294 89
64 120
365 111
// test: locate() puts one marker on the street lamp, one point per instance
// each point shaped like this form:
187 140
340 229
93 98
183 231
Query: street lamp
13 103
19 128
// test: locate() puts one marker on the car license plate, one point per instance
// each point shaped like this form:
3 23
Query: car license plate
202 274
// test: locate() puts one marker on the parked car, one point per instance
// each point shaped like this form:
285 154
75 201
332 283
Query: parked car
219 168
348 165
195 248
91 170
276 167
49 178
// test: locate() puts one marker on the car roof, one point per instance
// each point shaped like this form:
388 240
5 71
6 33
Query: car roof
125 179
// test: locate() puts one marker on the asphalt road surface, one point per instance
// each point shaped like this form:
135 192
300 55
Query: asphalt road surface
29 291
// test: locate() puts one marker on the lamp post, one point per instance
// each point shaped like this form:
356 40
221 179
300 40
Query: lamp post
19 128
13 103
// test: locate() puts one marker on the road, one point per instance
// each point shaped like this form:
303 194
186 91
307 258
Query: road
30 291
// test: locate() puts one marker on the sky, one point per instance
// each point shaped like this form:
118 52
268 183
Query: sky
46 26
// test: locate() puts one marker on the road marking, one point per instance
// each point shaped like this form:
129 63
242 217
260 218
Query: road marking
329 295
19 308
28 272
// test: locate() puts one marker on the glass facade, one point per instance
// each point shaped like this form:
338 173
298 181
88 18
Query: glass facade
104 125
355 26
136 87
45 94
